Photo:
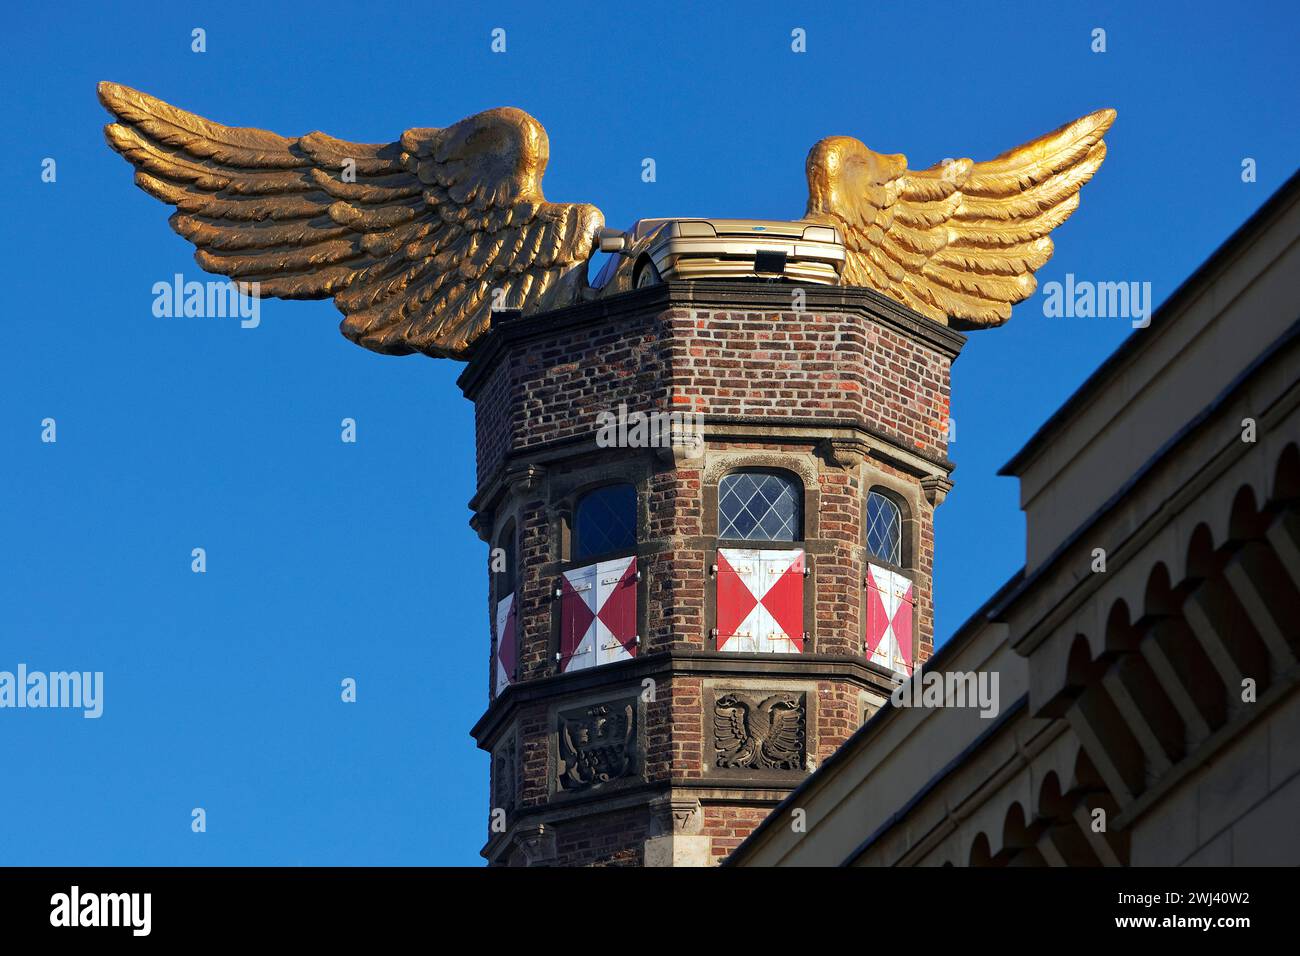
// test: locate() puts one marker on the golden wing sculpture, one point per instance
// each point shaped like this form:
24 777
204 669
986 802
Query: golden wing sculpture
418 240
414 240
958 242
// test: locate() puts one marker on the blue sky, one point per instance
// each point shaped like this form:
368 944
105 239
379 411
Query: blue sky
329 560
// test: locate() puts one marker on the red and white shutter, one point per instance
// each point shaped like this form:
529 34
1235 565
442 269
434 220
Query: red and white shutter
578 618
615 610
890 615
507 643
598 614
760 600
737 571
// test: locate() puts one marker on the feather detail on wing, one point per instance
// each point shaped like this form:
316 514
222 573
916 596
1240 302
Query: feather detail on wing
783 747
958 242
416 240
730 732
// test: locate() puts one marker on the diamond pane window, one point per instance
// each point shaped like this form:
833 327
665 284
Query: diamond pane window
759 506
884 529
605 522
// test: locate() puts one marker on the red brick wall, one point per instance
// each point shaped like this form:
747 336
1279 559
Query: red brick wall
811 365
603 839
676 578
779 365
838 714
534 730
728 826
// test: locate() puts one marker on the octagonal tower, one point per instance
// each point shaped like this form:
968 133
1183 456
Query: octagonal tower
710 508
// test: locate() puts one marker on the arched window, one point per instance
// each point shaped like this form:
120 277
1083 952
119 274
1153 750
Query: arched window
884 529
760 506
605 522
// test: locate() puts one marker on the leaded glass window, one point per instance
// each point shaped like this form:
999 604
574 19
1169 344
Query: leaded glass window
884 529
759 506
605 522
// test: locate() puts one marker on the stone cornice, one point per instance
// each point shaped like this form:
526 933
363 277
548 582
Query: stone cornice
713 294
678 662
847 439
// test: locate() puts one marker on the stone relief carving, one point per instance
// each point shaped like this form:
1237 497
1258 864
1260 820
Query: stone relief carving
597 744
759 731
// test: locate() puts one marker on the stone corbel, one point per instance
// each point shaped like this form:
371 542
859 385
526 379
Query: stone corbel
843 452
537 843
524 478
677 833
675 816
936 488
481 523
685 447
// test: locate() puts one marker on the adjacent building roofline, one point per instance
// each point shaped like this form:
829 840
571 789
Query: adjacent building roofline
1275 351
1189 288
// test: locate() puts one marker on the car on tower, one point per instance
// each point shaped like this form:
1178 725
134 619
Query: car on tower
656 250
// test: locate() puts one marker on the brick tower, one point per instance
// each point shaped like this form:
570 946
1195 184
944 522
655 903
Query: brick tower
686 621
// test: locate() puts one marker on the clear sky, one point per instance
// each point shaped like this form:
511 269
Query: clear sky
328 560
